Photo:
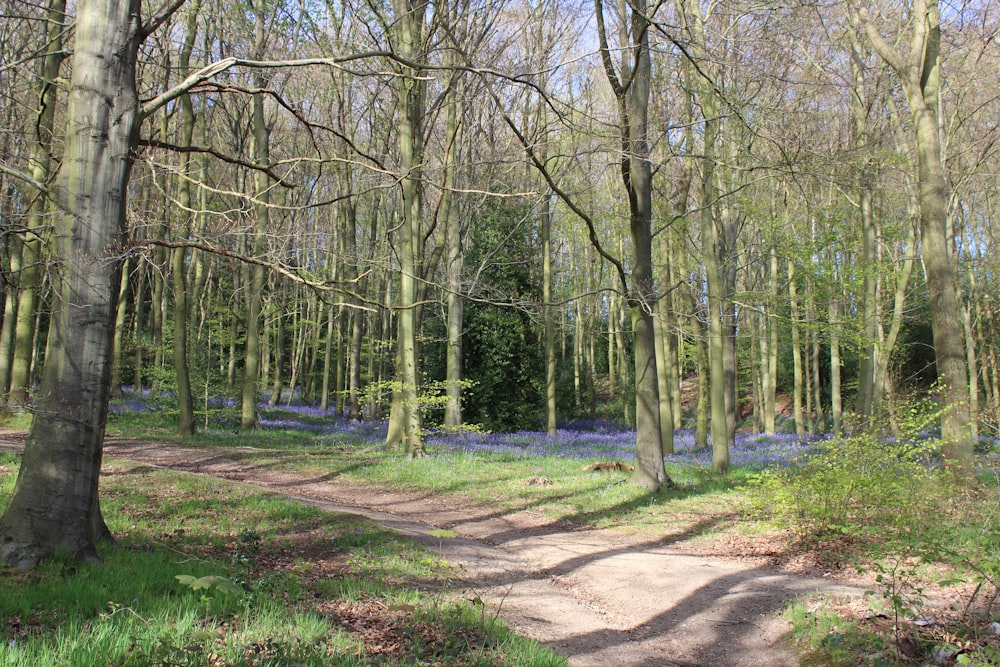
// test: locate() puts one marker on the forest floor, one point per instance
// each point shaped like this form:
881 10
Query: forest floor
599 597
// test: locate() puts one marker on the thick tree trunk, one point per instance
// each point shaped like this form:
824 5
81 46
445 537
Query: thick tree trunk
949 350
410 31
631 90
55 502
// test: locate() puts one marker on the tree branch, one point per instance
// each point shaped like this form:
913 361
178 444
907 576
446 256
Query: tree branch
159 17
879 43
24 176
292 274
155 143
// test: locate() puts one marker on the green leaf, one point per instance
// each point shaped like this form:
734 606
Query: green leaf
206 582
443 532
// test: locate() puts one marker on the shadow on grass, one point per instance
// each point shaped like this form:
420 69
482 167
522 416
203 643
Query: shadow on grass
133 610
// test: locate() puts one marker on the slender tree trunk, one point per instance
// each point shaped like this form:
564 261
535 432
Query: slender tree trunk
324 399
888 344
797 370
30 278
119 332
185 397
817 384
971 356
700 335
279 352
9 318
612 346
10 254
255 287
769 347
454 300
545 222
661 334
836 401
139 324
715 302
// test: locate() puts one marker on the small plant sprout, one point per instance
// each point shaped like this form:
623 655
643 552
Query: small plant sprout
207 582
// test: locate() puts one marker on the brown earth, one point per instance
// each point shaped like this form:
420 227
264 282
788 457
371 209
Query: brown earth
599 597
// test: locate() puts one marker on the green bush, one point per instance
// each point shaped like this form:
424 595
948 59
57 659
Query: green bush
860 486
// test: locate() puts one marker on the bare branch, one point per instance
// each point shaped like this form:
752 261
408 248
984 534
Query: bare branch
25 177
154 143
336 286
159 17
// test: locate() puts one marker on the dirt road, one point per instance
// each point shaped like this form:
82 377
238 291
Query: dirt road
599 597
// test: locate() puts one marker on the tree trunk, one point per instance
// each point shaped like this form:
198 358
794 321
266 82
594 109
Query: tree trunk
632 92
454 300
119 332
836 402
797 370
262 212
55 502
769 347
30 278
324 399
664 357
185 398
410 30
715 299
919 72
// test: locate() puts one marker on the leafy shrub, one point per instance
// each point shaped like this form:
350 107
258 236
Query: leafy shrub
860 486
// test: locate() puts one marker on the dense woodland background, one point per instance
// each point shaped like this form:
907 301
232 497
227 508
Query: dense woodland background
361 202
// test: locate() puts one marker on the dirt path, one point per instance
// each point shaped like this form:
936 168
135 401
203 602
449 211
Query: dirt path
597 596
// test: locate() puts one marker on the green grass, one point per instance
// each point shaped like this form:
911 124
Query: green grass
825 638
374 565
286 582
495 480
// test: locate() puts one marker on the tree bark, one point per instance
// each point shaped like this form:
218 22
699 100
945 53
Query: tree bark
797 370
255 285
409 34
454 260
632 93
185 397
55 504
919 72
30 278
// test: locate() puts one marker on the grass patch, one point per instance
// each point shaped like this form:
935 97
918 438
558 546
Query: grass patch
876 503
207 572
825 638
495 476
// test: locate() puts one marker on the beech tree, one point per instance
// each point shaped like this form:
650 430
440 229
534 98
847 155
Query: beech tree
918 67
55 504
630 83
